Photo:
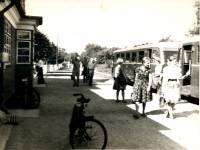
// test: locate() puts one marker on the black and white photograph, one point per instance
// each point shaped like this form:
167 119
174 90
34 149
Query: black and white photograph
99 74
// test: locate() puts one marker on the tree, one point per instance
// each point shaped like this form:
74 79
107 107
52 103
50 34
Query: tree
91 50
44 49
166 39
103 54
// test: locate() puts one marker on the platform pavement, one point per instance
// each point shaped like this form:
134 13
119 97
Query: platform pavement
5 131
184 129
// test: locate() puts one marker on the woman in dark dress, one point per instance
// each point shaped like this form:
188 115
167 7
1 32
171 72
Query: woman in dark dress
142 85
120 81
85 69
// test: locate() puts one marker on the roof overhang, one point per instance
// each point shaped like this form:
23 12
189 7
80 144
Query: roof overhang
24 16
21 12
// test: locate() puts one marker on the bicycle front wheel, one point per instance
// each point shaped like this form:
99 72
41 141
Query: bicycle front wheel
92 135
34 98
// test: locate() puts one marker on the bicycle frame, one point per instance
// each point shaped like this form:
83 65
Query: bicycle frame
78 118
84 129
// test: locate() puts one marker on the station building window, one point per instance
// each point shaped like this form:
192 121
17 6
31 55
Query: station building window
7 41
23 47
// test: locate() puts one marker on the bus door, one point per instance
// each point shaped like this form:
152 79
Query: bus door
195 70
190 68
185 56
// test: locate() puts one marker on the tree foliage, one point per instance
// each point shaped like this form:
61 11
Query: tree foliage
91 50
44 49
165 39
103 54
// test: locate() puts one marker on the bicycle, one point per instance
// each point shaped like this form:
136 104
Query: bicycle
31 96
86 132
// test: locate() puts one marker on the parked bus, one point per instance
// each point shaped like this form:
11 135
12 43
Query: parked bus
133 56
189 61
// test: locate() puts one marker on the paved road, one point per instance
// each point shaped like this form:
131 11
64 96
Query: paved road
47 127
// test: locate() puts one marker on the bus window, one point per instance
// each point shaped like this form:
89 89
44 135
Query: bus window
155 53
128 56
118 56
167 54
147 53
150 53
179 56
186 56
122 55
141 55
134 57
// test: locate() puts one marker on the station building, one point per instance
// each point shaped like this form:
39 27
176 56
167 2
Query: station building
16 46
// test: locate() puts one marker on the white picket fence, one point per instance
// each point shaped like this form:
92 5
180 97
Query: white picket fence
51 68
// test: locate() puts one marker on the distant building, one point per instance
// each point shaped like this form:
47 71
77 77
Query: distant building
16 46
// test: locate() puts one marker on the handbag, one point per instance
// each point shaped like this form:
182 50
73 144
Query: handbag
127 80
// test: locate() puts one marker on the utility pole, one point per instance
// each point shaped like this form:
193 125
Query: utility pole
57 52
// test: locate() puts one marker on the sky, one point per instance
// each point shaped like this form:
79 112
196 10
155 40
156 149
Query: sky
72 24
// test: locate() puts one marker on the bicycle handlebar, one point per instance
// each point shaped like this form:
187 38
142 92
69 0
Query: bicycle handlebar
82 99
78 94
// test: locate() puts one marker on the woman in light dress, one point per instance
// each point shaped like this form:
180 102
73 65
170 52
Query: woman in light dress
171 85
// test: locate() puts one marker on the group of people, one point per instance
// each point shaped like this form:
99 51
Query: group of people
87 72
165 79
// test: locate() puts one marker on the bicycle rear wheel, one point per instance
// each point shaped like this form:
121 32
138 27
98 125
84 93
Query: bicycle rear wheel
92 136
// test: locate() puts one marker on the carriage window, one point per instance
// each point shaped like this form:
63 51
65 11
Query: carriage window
128 56
134 57
141 55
